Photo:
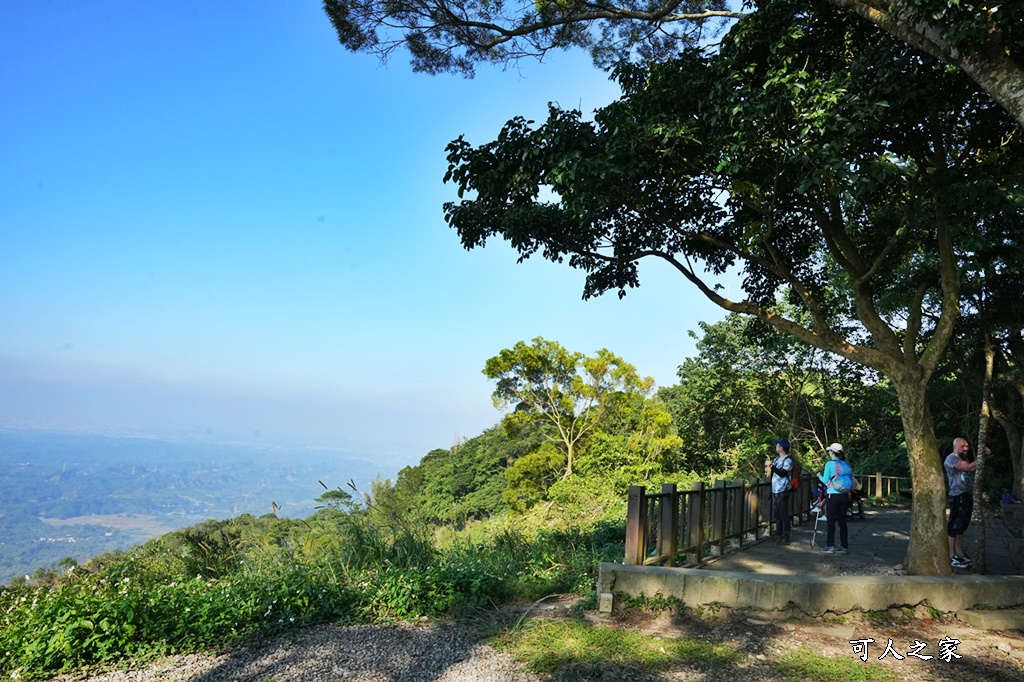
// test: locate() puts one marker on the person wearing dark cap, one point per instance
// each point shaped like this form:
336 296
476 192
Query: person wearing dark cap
781 470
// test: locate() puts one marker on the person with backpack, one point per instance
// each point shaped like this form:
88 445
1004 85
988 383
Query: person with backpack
781 470
838 481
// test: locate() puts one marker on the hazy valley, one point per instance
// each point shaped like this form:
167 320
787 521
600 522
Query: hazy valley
69 495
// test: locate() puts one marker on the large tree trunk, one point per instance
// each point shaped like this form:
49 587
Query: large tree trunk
987 62
928 551
997 74
1014 356
978 517
1017 454
1013 437
1013 441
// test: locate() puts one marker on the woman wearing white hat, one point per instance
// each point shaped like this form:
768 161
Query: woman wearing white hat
838 480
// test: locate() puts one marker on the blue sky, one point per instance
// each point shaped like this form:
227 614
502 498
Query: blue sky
217 223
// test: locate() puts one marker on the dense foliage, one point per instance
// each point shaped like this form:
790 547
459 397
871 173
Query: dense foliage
750 382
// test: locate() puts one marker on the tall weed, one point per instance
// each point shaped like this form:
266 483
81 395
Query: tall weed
189 592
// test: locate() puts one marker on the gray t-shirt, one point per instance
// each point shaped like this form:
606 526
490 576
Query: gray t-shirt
960 482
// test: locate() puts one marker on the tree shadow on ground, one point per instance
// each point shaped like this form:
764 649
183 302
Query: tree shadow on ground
760 649
794 646
402 653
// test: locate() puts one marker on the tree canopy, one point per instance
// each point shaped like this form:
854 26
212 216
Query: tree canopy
846 175
984 39
565 394
597 407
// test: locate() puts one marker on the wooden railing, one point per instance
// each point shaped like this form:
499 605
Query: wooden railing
679 527
878 487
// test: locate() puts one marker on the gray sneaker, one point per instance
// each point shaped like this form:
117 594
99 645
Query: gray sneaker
828 550
842 550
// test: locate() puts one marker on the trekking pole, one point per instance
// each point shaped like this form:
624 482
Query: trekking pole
817 517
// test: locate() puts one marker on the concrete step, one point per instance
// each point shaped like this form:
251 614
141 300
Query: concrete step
994 619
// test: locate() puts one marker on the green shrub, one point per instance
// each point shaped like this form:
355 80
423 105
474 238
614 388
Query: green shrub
219 582
96 620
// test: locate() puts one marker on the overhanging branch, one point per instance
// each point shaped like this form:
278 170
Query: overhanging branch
825 339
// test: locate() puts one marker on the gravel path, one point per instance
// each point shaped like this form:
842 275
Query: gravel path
451 652
406 653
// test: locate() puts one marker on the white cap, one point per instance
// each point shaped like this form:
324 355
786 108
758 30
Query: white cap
835 447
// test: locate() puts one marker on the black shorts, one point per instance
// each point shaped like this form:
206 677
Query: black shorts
960 508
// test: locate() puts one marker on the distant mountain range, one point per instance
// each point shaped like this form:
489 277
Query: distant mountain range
68 495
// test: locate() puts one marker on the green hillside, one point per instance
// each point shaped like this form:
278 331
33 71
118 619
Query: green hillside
527 508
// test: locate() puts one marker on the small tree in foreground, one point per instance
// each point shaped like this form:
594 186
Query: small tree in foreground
565 394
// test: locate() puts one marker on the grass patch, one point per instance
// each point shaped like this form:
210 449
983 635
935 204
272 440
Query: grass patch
570 649
804 664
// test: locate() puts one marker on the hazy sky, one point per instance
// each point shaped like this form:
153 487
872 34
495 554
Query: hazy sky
217 223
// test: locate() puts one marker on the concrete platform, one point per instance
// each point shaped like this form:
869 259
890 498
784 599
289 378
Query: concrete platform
768 576
1000 619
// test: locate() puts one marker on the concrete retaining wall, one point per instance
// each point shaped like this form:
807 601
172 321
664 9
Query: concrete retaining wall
813 594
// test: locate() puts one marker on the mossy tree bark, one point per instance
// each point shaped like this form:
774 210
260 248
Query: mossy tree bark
927 551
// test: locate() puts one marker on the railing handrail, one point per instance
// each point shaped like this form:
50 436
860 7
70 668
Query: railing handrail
693 522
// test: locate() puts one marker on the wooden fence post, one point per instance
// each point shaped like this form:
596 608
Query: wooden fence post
668 529
878 486
752 515
803 503
767 509
737 503
718 517
636 532
695 520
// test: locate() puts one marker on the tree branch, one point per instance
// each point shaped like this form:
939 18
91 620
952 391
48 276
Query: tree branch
825 339
844 251
664 15
914 320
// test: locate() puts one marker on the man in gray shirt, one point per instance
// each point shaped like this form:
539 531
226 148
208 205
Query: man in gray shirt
960 474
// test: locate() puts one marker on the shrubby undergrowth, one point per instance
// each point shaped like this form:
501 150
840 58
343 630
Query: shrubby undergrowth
214 584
